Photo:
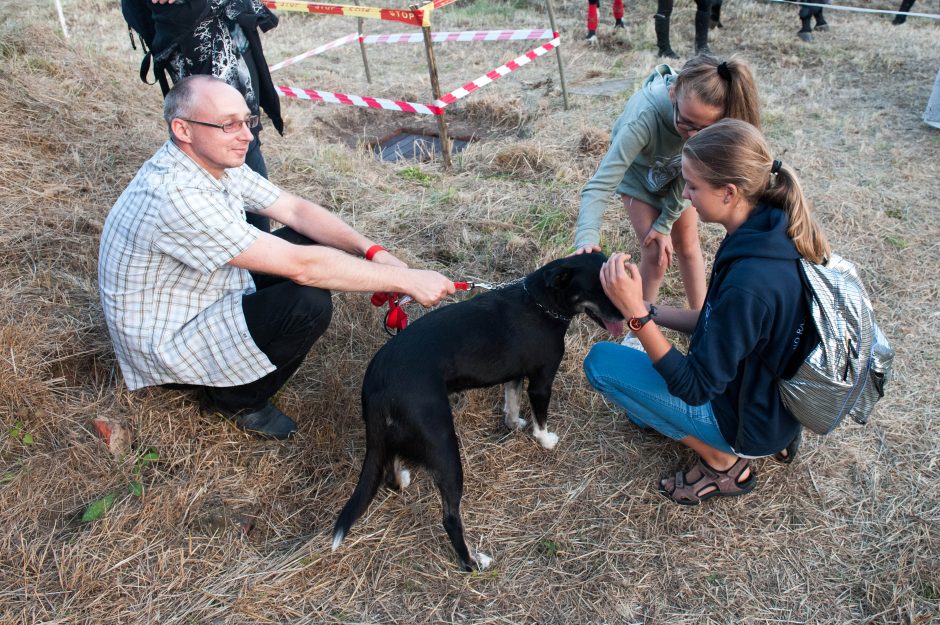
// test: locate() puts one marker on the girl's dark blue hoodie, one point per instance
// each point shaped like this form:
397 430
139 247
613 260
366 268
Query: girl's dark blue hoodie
754 325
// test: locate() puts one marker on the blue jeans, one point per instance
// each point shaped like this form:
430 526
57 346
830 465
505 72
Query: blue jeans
626 376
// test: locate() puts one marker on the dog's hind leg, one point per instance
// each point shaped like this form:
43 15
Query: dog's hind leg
512 392
443 461
540 395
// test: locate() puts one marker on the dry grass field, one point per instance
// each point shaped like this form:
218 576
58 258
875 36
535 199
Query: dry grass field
210 526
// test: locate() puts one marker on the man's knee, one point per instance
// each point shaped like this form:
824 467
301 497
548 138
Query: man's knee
315 305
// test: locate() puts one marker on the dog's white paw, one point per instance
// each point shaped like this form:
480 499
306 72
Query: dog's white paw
546 439
404 478
483 561
515 423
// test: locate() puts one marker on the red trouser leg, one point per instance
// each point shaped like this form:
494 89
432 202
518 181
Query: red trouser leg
592 14
618 9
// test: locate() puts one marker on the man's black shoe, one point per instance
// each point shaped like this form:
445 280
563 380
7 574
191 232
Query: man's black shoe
268 421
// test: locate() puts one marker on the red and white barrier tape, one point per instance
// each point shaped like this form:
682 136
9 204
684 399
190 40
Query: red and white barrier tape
435 108
497 73
463 36
319 50
357 100
419 17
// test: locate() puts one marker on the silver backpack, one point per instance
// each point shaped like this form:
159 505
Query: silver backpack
846 372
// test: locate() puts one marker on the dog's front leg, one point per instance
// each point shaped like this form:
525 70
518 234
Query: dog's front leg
540 394
512 391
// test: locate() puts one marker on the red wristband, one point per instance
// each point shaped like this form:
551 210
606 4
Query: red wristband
372 251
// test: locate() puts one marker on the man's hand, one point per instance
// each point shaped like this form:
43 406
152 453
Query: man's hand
661 245
163 1
385 257
428 287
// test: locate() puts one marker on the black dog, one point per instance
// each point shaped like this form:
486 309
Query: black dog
502 336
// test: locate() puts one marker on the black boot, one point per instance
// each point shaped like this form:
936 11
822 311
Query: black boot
662 37
900 18
701 32
715 19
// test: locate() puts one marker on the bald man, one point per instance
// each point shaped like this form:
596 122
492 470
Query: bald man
195 297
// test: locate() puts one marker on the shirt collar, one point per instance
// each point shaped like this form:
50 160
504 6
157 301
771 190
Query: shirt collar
188 165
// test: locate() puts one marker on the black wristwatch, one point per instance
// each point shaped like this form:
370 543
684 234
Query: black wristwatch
636 323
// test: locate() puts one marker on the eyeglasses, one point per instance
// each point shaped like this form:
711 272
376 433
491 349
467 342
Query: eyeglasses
682 123
233 125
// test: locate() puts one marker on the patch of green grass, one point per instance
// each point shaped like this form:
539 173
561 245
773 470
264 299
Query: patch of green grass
18 432
485 9
549 548
928 592
447 197
418 175
899 243
550 225
714 579
895 212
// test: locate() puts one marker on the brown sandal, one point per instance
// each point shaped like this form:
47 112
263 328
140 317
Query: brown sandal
687 487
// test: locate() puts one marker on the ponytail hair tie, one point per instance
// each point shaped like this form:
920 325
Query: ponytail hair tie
775 168
724 71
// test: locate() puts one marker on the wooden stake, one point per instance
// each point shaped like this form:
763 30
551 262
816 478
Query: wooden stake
362 47
436 90
561 67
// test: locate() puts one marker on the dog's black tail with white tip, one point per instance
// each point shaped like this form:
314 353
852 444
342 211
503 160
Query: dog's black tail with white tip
369 480
370 477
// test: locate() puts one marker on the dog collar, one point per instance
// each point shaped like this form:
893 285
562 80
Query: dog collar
550 313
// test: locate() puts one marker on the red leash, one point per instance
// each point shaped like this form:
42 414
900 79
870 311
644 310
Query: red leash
396 319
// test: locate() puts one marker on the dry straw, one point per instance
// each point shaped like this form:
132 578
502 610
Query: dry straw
230 529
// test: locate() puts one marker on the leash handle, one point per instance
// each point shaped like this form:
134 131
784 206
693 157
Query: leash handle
463 286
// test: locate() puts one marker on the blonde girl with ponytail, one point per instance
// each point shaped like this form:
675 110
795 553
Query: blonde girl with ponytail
721 398
642 165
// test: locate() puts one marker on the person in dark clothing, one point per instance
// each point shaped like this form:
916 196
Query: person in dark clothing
904 9
707 14
721 399
220 38
807 15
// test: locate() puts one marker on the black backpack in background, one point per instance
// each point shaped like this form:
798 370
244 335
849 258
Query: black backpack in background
174 21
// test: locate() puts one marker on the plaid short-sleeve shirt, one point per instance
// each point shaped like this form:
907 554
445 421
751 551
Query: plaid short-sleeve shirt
171 300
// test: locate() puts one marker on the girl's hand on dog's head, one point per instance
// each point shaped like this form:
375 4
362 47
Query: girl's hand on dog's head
587 249
623 285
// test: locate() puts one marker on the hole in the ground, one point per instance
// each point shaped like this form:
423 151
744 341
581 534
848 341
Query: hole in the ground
415 145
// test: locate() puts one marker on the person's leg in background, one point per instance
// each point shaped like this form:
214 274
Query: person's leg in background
806 18
618 14
702 20
592 20
661 21
905 7
255 160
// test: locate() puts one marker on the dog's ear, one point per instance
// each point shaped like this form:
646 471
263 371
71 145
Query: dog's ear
558 277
